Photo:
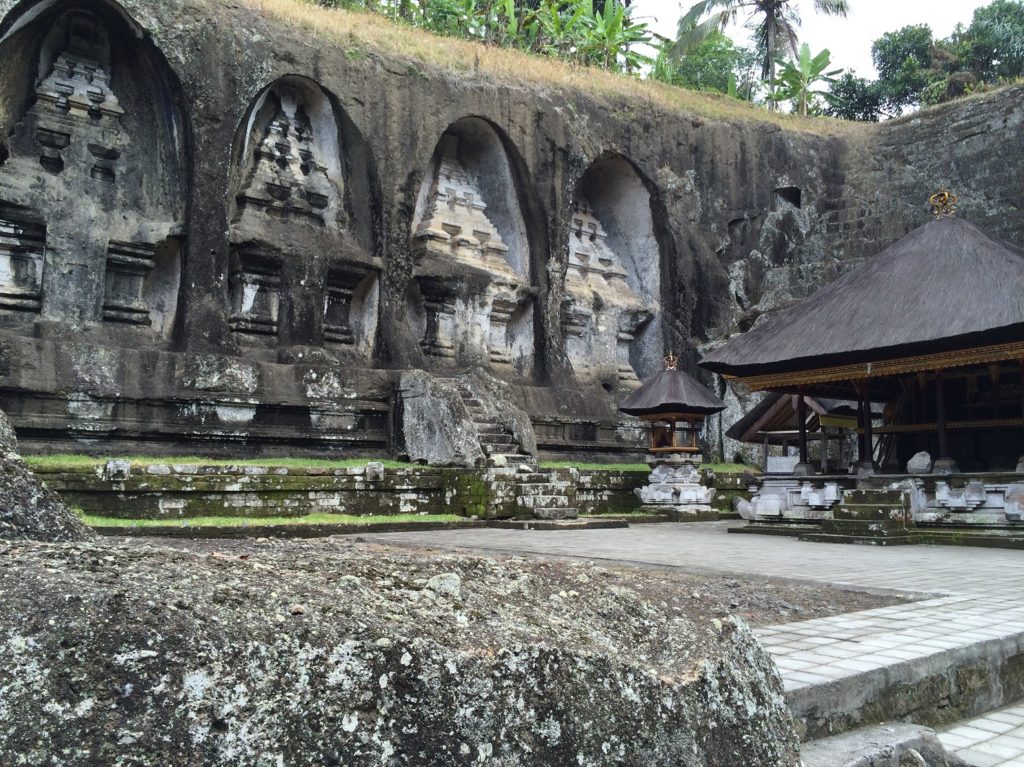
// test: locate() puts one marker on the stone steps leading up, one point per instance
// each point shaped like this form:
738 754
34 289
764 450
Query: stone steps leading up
497 442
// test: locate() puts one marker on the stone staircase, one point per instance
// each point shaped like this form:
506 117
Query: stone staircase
498 443
547 494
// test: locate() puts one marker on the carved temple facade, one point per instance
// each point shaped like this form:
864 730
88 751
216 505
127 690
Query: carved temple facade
190 261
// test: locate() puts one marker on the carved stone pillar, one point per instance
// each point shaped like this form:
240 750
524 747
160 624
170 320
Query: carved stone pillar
630 321
255 295
439 304
503 306
22 245
128 265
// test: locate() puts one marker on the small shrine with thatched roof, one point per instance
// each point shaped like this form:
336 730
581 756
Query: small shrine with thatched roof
675 405
931 332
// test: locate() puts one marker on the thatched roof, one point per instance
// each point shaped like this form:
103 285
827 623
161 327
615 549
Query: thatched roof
672 391
945 286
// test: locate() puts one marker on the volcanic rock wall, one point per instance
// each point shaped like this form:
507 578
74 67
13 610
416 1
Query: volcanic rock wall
220 234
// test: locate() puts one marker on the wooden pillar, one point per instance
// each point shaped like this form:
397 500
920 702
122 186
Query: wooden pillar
1020 461
940 414
944 464
764 468
869 440
801 416
866 463
803 468
862 454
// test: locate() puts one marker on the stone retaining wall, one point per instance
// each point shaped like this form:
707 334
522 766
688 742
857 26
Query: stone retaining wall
181 491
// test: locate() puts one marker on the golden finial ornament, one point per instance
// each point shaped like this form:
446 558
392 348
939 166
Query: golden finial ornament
943 204
671 361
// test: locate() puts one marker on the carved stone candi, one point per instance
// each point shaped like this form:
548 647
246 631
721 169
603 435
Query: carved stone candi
602 315
492 307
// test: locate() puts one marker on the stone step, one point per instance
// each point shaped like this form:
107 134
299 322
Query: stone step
556 513
546 502
496 439
515 458
892 743
544 488
862 669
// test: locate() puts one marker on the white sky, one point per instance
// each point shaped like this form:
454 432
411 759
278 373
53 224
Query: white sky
849 39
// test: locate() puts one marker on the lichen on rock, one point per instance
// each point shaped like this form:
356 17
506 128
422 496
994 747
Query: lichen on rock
142 655
28 509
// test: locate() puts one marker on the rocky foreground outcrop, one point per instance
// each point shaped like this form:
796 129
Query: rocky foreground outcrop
28 509
341 653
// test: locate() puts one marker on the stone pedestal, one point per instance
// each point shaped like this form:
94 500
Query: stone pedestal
675 489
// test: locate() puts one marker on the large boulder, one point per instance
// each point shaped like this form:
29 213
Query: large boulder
437 428
28 509
340 653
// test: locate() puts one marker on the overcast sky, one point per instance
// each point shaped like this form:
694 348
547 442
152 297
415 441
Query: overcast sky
849 39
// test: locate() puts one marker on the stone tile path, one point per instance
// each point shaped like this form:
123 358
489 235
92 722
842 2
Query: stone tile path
993 740
974 597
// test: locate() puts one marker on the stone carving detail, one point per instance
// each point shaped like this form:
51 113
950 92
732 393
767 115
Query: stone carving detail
22 249
439 304
255 295
602 315
128 265
455 223
287 177
75 98
455 227
675 484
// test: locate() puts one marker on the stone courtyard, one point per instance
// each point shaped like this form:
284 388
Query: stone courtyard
950 660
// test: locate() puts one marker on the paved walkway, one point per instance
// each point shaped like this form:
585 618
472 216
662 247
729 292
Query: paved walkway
993 740
976 595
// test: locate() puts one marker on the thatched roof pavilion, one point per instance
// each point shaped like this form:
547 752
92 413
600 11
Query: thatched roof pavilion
933 326
672 391
675 404
946 294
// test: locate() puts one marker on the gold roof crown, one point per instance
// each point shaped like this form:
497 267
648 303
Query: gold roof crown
671 361
943 204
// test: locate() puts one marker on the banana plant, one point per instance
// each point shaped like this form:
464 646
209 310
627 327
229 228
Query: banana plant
796 80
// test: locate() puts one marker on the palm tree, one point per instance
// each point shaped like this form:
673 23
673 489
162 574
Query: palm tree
775 23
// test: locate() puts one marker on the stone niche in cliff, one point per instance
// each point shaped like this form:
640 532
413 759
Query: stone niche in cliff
302 271
472 300
91 193
611 315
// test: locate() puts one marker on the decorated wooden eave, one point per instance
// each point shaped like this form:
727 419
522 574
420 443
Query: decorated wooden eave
947 295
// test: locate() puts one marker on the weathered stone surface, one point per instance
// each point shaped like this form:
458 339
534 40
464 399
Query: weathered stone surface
895 744
919 463
340 653
29 510
436 426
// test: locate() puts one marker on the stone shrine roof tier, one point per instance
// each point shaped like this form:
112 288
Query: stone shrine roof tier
672 392
946 295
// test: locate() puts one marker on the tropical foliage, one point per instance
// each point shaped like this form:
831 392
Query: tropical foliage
915 69
774 23
600 33
797 80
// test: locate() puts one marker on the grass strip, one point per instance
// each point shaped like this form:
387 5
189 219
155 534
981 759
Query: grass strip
60 462
309 519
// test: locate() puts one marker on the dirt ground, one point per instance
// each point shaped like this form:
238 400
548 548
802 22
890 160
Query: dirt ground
760 602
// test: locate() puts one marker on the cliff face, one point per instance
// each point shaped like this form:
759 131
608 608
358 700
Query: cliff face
237 229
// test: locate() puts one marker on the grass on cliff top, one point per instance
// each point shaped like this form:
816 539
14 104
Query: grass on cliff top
61 462
363 31
309 519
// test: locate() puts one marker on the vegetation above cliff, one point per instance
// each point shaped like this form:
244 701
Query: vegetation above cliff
369 34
